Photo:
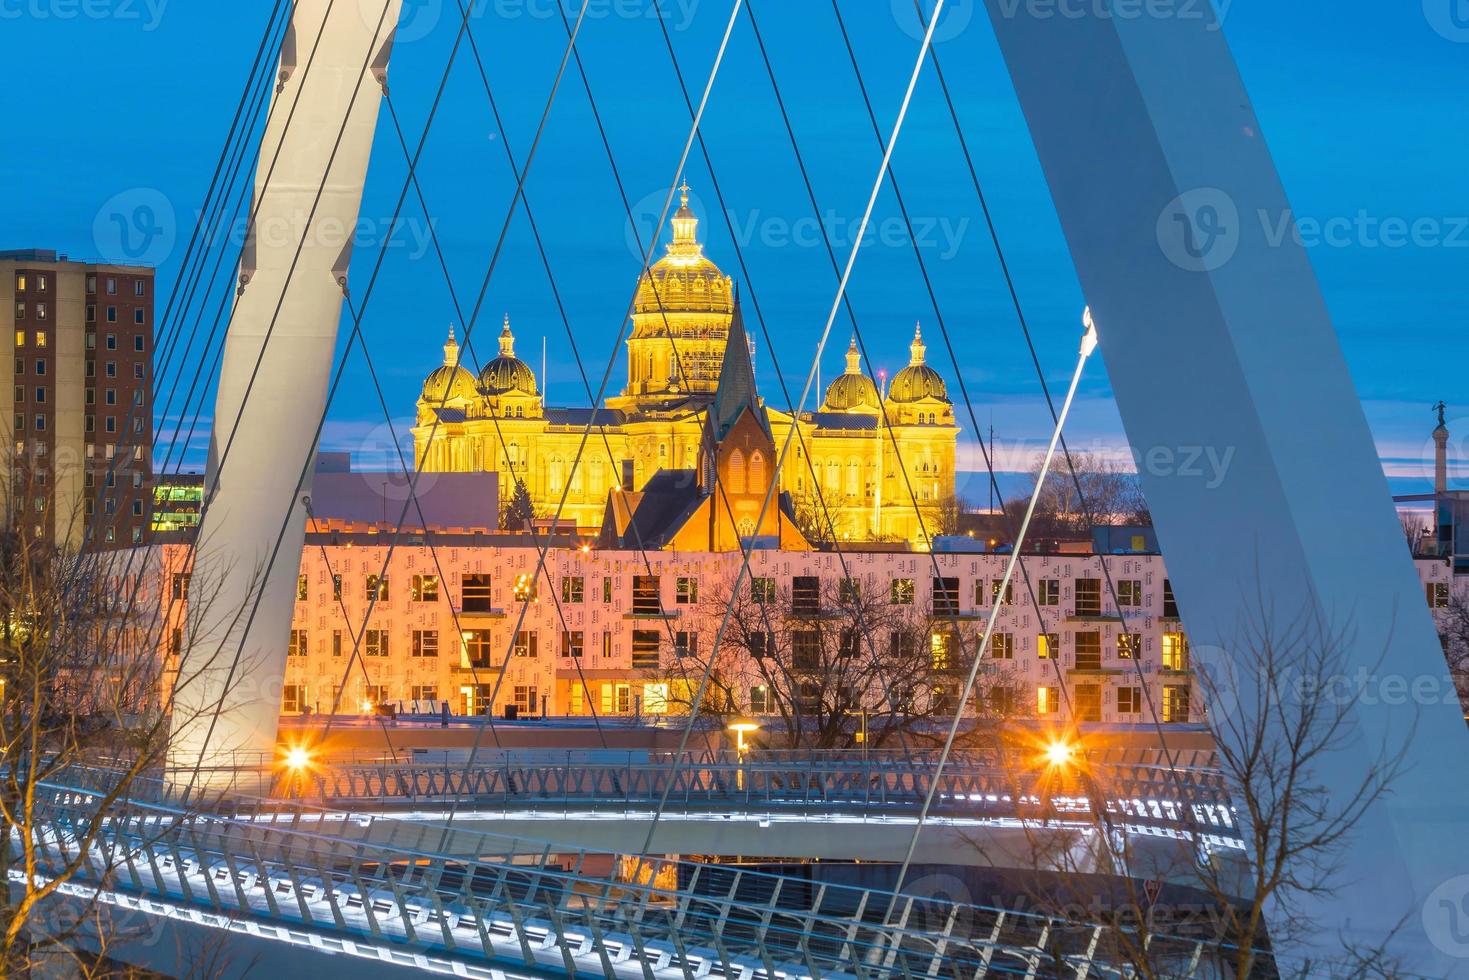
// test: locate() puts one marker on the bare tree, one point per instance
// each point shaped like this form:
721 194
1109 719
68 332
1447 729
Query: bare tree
89 647
1109 494
1154 903
830 662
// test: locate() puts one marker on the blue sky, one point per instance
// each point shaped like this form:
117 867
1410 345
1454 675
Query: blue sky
121 101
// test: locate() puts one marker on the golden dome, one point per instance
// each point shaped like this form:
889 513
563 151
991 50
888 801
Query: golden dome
448 382
853 390
507 372
918 381
683 280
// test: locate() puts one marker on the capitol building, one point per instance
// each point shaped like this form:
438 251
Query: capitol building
845 461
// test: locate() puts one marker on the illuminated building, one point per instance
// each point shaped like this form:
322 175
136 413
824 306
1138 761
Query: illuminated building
497 420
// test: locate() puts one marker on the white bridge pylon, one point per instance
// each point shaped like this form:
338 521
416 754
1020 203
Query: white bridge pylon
1215 338
274 376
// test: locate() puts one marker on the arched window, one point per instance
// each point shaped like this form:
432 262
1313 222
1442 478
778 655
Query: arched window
736 481
854 478
757 472
746 527
556 474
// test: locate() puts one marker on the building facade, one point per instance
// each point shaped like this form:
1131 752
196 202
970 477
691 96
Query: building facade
865 457
79 456
619 633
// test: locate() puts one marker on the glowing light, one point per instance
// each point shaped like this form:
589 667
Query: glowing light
1060 753
367 707
744 725
298 757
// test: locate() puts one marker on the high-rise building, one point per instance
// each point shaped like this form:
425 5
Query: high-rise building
80 405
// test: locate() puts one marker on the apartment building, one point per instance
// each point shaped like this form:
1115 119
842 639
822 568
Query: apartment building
80 412
613 632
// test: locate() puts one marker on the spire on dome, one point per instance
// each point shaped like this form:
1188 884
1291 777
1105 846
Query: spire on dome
918 349
451 349
685 227
854 357
507 339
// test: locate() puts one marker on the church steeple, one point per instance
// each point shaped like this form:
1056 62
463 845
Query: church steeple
736 390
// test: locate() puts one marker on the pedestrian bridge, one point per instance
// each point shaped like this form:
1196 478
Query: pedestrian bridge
285 878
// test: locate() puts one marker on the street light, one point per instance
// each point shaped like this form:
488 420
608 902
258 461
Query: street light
741 727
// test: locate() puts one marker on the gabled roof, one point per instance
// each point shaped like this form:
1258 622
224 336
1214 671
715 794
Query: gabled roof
649 517
736 391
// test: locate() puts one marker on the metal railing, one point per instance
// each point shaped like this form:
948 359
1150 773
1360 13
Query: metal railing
545 907
1149 796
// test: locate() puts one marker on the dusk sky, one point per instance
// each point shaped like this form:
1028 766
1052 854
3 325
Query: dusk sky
1362 102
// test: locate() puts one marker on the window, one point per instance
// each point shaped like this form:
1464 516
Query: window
1129 700
40 423
526 699
606 590
138 319
762 590
687 591
902 645
806 650
296 647
374 695
1438 592
761 645
477 651
1009 598
1175 651
336 643
607 647
1088 597
112 337
424 692
572 588
40 315
946 597
377 643
805 594
903 591
377 587
1047 700
337 587
425 643
301 592
1087 702
40 368
1002 646
1130 592
111 287
1048 592
527 644
112 318
849 591
645 649
685 643
1048 646
138 287
1175 703
424 588
1129 646
475 593
293 699
525 588
20 282
849 643
572 643
92 316
1170 604
941 650
645 596
180 585
40 396
760 700
1089 651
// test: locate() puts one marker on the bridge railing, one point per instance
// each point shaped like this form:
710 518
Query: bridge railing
1176 799
547 906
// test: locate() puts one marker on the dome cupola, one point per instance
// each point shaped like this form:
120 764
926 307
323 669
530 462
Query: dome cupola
449 382
852 391
683 280
507 372
918 381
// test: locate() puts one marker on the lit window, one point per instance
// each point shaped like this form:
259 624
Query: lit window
297 645
903 591
425 643
1002 646
573 588
687 591
377 644
425 588
572 643
1047 700
526 644
301 591
1175 651
1129 646
655 699
1048 646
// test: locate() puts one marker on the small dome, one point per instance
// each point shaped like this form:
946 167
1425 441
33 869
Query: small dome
507 372
853 390
683 280
918 381
450 381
